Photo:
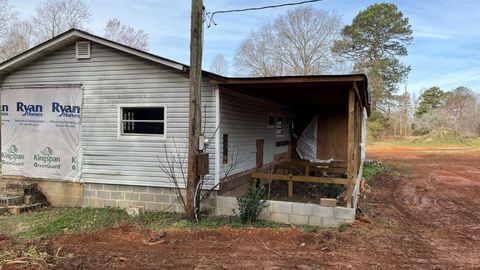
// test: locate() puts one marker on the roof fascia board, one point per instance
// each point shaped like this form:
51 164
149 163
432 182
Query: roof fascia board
348 78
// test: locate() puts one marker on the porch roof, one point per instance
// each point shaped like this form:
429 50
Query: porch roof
322 90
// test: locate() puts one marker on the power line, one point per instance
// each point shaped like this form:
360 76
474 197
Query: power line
464 79
210 15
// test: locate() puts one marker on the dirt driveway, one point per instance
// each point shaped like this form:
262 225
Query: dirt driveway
426 216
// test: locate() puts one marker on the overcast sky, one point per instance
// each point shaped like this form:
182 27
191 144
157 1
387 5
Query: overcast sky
445 51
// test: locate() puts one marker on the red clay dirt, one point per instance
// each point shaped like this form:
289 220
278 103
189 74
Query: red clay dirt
424 216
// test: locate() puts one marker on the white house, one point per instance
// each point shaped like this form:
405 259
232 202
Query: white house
92 121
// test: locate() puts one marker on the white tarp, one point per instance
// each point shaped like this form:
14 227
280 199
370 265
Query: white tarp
364 133
41 129
307 143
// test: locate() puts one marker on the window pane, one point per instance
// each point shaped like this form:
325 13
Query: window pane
147 113
143 128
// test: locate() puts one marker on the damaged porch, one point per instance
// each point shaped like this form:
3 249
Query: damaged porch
322 142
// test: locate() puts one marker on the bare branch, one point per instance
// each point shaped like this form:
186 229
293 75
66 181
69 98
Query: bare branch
297 43
129 36
17 39
54 17
220 65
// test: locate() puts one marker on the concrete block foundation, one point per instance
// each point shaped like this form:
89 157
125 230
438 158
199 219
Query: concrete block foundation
150 198
75 194
293 213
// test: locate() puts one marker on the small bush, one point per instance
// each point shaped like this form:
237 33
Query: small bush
251 204
370 169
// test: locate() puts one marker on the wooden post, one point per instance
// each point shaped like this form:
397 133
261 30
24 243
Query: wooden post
259 155
195 118
356 141
350 138
290 189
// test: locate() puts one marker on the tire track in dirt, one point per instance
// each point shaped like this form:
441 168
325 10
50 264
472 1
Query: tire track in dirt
440 201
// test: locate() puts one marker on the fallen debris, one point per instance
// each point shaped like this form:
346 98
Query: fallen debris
21 197
135 210
328 202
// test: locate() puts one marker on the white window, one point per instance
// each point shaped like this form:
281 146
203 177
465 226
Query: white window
279 125
142 120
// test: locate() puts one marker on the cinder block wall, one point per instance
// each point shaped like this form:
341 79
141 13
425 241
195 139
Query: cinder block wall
151 198
59 193
69 194
293 213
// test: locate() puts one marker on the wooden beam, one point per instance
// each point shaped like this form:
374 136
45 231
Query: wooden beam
290 189
333 164
356 158
350 138
291 79
259 155
299 178
357 92
313 169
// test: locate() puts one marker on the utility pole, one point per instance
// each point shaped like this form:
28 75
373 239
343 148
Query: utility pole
195 105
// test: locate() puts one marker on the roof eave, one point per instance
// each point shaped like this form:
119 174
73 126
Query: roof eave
73 34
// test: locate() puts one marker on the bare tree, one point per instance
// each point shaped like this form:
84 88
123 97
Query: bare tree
220 65
17 39
54 17
127 35
297 43
255 55
6 16
174 166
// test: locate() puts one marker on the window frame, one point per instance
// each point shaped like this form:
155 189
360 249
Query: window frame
122 135
283 126
274 120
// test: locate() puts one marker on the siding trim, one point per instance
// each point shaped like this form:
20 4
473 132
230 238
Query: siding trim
217 135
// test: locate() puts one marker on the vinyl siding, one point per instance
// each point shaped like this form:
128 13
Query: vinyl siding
244 119
111 78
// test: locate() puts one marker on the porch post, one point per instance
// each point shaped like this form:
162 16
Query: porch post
350 138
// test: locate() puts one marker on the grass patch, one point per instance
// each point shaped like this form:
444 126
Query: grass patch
54 221
49 223
370 170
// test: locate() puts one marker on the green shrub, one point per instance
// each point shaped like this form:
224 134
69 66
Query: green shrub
370 169
251 204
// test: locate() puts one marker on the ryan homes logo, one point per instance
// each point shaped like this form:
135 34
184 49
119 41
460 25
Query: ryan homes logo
12 157
46 159
66 110
29 109
4 110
